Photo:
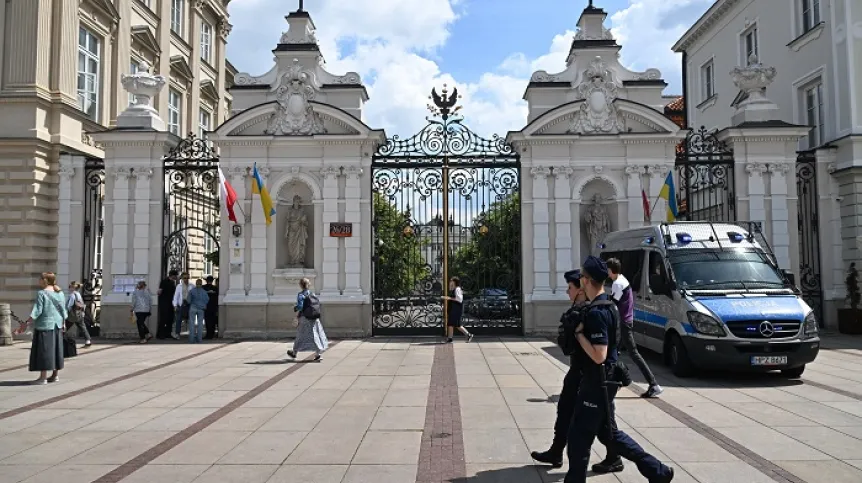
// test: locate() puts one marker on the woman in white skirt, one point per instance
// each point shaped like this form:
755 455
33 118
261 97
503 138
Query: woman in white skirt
309 331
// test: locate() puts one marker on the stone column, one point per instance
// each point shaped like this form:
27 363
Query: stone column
563 222
832 265
221 52
120 221
756 193
236 269
194 105
541 234
142 228
352 214
64 56
634 185
163 65
258 267
330 268
121 55
779 189
69 208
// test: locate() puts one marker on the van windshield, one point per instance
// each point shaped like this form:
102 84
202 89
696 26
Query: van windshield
713 269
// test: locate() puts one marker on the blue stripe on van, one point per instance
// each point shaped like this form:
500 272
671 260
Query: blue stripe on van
658 320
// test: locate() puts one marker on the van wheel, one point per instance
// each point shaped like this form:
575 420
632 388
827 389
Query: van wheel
678 358
794 373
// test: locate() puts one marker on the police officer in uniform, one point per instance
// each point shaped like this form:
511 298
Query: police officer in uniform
566 404
594 408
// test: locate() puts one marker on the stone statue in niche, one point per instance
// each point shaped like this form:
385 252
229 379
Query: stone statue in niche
294 114
598 221
296 233
597 114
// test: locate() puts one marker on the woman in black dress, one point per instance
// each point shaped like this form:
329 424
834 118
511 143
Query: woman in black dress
166 307
455 309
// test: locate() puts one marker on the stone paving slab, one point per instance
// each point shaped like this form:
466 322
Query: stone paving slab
404 410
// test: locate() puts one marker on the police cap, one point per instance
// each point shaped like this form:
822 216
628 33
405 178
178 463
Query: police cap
573 277
596 268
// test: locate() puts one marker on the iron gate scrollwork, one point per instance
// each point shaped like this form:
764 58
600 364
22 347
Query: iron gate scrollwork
191 209
446 202
810 280
705 181
93 240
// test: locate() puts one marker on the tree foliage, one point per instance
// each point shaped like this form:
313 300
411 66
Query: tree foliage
492 257
399 267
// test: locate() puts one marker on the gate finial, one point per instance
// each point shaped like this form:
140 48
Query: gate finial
444 103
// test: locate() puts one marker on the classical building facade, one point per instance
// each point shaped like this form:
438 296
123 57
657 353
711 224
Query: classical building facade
60 82
817 83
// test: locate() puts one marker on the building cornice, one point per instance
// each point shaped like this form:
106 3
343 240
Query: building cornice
704 24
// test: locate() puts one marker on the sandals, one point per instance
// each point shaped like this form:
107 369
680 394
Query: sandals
54 378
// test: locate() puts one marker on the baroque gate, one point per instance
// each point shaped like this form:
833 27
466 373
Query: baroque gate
704 170
93 241
810 280
446 203
191 209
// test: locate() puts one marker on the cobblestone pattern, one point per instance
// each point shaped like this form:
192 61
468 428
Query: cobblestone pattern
441 455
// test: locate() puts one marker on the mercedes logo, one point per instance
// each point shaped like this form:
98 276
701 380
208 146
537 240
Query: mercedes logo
766 329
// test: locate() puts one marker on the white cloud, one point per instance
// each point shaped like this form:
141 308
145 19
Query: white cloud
393 46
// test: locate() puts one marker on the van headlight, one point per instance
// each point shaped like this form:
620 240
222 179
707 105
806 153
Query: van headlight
705 324
810 324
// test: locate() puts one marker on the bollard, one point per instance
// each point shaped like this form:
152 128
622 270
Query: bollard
6 324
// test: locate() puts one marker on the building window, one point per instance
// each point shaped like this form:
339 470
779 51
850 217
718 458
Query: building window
175 109
814 114
750 49
810 14
204 123
206 42
178 16
89 52
707 76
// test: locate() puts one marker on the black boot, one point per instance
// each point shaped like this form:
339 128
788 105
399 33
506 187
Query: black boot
664 479
610 464
551 457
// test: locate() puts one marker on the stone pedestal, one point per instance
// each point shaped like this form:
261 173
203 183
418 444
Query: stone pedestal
286 282
6 324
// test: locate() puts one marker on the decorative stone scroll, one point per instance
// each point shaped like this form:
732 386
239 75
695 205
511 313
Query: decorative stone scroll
295 114
597 114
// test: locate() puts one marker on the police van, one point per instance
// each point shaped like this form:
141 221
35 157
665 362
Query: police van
711 295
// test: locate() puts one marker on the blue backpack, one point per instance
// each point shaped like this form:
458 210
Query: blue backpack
311 307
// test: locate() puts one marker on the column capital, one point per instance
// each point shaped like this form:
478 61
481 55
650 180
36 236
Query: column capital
635 170
755 169
352 172
224 28
779 169
199 5
122 173
142 172
330 172
657 170
540 172
66 172
563 172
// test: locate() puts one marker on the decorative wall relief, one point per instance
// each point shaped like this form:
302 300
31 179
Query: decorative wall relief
295 115
597 114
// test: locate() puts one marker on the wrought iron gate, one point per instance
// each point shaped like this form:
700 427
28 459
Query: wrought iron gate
446 203
191 209
94 229
704 174
810 280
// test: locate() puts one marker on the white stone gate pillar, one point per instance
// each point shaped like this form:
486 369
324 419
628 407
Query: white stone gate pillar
235 245
352 245
71 220
563 223
541 233
832 265
258 267
330 263
634 184
142 228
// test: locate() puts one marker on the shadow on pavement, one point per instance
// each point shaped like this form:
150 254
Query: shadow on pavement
14 383
516 474
279 362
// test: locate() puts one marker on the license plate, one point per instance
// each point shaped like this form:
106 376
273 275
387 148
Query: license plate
768 360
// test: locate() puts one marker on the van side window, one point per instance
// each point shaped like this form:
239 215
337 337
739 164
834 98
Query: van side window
632 262
657 274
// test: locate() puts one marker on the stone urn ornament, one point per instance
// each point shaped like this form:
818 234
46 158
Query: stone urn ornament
753 79
143 86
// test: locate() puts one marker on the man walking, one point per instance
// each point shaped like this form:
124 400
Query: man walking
621 292
211 313
569 393
181 304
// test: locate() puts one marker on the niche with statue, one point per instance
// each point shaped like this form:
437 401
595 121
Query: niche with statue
598 210
294 241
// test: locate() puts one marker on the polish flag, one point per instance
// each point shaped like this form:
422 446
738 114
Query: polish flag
228 195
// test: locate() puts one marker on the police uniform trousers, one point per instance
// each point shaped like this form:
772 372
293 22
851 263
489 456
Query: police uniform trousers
589 421
566 407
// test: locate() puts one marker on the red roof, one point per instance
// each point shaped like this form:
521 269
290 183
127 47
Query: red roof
676 105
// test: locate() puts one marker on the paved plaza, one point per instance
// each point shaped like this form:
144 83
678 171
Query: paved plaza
399 411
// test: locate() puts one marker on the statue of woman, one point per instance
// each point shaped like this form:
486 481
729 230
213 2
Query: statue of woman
296 233
598 222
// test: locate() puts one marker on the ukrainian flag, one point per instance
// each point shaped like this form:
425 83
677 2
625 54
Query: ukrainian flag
668 193
257 187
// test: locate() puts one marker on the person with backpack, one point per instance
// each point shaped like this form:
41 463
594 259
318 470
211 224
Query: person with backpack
310 336
75 308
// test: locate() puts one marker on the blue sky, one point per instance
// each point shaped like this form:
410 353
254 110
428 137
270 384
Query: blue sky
488 48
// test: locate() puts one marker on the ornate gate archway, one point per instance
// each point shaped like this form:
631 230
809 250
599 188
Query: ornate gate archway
446 203
191 209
